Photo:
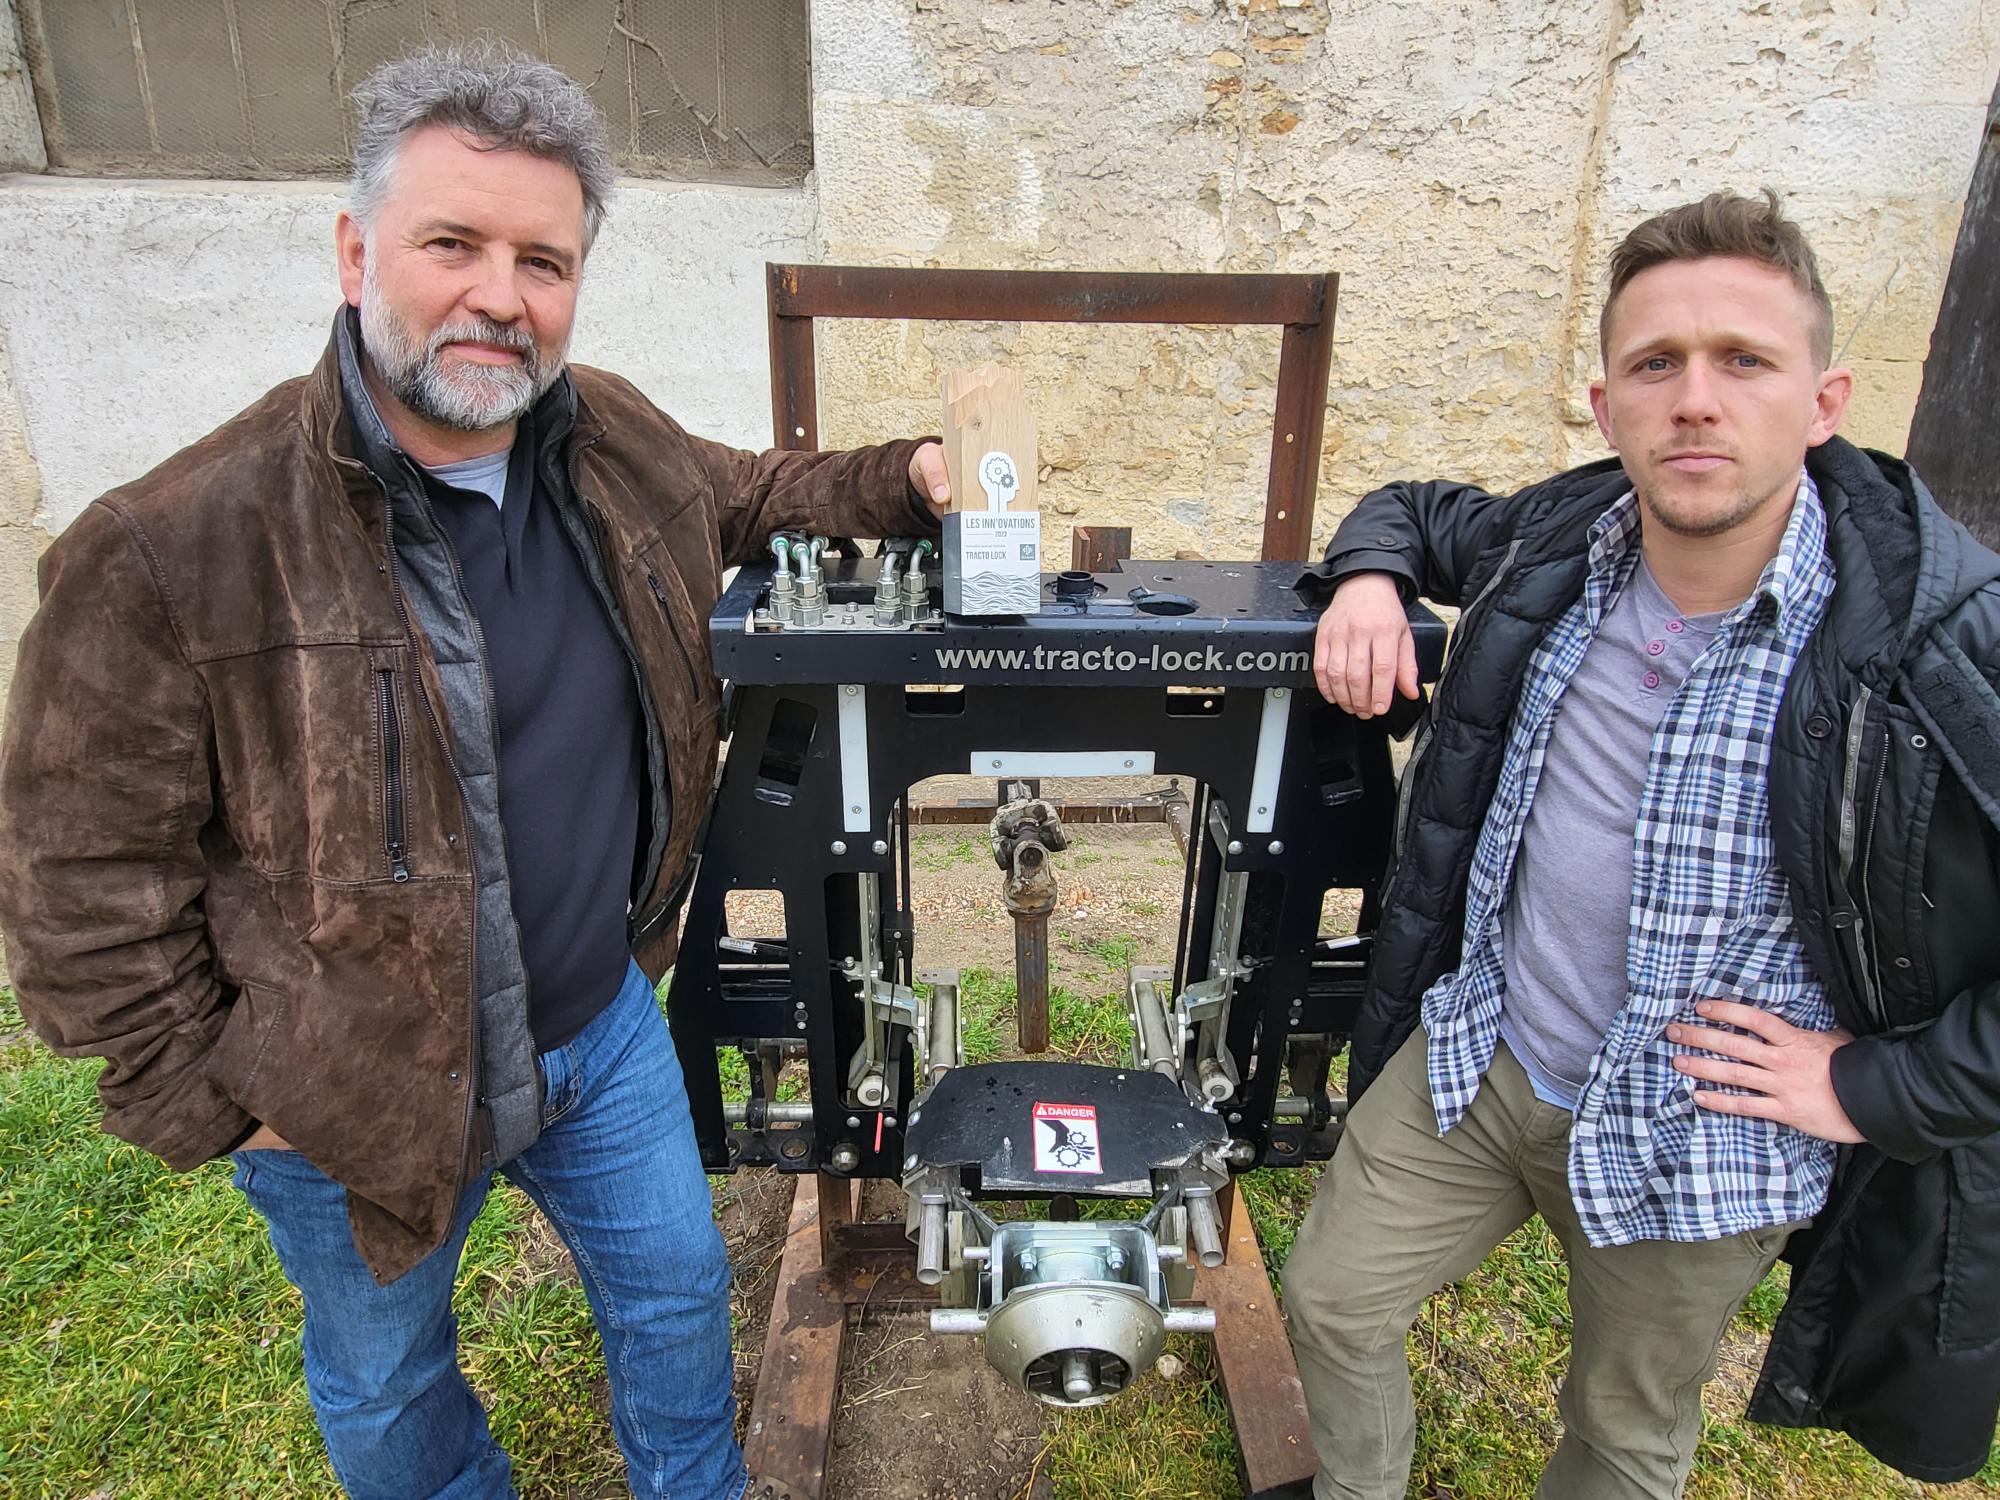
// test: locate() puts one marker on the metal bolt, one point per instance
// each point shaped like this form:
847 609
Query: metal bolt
1263 809
854 1122
1277 692
840 846
1128 765
1114 1258
888 1122
1029 1260
1277 846
880 846
851 691
802 1026
845 1158
1235 1118
996 765
1236 846
910 1162
855 809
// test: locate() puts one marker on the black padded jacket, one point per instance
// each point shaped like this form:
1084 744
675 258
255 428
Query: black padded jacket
1885 801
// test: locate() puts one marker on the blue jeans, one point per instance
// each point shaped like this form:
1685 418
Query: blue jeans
617 1174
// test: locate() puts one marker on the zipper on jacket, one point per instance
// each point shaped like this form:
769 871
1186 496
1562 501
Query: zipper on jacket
1849 830
666 612
394 809
472 1079
1403 790
1506 563
1405 787
1857 837
1871 978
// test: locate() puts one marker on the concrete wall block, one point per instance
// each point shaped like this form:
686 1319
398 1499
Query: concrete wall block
115 294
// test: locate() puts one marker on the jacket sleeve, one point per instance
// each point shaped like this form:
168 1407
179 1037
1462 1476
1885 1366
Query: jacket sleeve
105 785
852 492
1915 1094
1425 536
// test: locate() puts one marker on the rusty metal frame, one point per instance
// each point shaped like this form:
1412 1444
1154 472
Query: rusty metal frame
1303 305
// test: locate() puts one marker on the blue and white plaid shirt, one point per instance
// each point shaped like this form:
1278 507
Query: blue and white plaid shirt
1711 917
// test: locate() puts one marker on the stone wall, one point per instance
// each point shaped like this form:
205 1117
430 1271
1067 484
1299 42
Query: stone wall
1465 165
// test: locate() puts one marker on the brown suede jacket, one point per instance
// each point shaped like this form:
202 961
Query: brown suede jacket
196 883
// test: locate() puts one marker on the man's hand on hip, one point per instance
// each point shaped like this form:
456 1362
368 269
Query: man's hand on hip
1363 650
929 477
1787 1069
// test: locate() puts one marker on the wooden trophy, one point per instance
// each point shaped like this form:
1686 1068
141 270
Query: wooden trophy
993 533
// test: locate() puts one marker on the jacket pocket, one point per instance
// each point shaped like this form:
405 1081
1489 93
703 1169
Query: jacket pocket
1968 1309
389 733
240 1048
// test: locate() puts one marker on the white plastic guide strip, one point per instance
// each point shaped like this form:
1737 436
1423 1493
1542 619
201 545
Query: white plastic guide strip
1061 763
855 815
1271 732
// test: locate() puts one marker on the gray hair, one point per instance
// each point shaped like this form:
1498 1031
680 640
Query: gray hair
498 95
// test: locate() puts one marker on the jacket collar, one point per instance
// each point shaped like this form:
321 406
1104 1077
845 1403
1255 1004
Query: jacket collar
1902 563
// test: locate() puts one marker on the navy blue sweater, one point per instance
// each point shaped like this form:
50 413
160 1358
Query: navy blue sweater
570 738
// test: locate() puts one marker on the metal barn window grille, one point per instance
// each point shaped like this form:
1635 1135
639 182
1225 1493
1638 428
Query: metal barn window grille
706 89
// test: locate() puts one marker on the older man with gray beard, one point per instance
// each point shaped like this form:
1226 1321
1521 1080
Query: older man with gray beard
351 782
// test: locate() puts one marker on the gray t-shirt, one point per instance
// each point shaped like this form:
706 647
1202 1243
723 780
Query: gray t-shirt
1564 930
486 474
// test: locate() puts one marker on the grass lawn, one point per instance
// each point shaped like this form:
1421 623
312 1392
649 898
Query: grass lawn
149 1345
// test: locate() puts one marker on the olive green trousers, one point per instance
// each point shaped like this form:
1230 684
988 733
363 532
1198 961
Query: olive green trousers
1403 1211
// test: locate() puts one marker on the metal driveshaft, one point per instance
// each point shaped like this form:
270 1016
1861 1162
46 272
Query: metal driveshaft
1023 835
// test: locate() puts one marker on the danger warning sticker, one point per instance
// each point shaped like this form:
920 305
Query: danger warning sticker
1066 1138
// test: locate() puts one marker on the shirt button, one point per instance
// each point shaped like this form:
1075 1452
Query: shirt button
1654 648
1651 679
1676 626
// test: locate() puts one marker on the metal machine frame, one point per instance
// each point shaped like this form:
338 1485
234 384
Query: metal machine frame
847 688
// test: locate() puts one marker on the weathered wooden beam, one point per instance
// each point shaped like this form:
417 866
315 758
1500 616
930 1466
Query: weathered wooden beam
1954 435
798 1383
1260 1378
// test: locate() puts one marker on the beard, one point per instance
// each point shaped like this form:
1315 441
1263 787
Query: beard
1688 521
1689 513
462 396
